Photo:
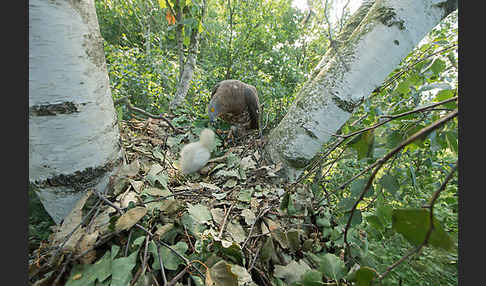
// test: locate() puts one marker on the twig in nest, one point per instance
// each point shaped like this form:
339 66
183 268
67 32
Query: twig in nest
128 241
144 262
252 265
178 276
161 262
58 278
137 275
189 238
262 213
224 220
130 106
56 254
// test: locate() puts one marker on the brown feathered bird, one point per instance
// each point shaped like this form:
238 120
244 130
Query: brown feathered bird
195 155
236 103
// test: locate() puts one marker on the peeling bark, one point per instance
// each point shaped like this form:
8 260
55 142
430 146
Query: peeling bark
365 53
74 140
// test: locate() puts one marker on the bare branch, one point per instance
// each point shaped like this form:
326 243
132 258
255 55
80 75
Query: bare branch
131 107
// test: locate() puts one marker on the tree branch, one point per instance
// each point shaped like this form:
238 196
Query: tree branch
131 107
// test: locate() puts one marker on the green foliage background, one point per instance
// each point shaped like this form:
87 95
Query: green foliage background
268 45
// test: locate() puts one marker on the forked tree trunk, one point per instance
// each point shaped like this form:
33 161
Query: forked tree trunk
73 133
379 35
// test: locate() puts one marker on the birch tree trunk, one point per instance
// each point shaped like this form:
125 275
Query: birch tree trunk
187 71
378 36
74 140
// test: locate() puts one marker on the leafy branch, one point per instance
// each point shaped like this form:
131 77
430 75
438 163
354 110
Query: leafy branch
378 164
431 228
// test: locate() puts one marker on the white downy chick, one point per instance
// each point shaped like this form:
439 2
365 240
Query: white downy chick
195 155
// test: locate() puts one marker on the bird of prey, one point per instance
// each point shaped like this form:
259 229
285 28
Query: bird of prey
236 103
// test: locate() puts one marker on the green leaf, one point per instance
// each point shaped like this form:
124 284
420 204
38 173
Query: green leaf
244 278
188 21
171 260
332 266
451 138
393 139
291 209
403 87
390 184
157 173
383 212
414 223
220 274
323 221
236 231
356 220
245 195
293 239
187 40
194 226
232 160
291 272
268 250
444 94
122 269
152 248
437 66
312 278
81 275
364 276
375 222
114 251
103 267
231 251
199 212
284 203
363 144
358 186
346 204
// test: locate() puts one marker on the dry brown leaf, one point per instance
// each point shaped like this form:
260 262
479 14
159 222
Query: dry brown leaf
247 163
130 218
211 187
137 185
130 170
127 197
87 241
70 222
155 169
102 220
156 192
218 215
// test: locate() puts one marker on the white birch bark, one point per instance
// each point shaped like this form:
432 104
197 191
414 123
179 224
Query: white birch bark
187 71
187 74
368 52
73 132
